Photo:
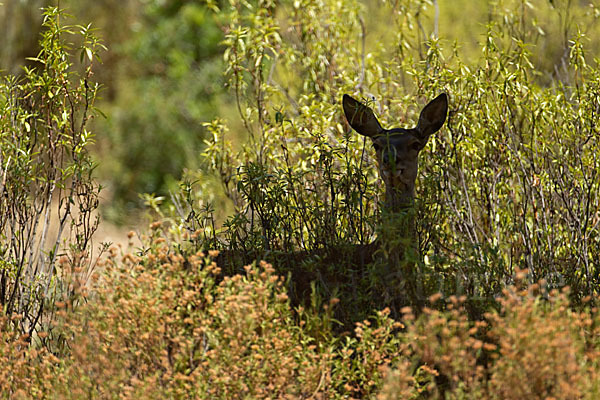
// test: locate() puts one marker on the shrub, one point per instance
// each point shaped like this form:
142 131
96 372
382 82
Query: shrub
162 325
541 348
510 183
47 192
535 346
168 83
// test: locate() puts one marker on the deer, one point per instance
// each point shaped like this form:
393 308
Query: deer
397 153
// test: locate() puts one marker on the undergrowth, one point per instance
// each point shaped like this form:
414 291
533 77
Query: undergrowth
160 325
510 182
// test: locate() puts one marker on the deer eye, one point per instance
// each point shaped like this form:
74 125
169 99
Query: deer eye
391 153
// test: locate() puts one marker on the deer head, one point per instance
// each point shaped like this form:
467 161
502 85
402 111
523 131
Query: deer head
397 149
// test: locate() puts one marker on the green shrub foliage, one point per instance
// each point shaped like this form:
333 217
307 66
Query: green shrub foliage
511 181
169 84
47 194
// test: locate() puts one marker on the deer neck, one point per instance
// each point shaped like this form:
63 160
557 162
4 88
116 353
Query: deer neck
398 216
399 201
399 195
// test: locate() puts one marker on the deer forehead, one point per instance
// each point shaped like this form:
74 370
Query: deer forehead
402 140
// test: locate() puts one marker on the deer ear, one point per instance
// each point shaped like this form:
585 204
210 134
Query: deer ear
433 116
361 117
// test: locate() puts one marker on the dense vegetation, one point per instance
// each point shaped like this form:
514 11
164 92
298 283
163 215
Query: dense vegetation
501 301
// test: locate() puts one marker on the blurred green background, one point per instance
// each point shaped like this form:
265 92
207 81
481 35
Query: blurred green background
161 77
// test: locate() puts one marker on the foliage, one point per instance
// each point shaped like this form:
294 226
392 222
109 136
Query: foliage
508 194
47 192
160 325
535 346
161 80
510 183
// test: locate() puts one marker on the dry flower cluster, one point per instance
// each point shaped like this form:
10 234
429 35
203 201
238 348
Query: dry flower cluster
164 325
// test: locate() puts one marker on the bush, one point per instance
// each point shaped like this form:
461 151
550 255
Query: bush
510 182
535 347
160 325
48 195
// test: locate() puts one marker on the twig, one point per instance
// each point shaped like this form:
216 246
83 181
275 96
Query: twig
363 51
